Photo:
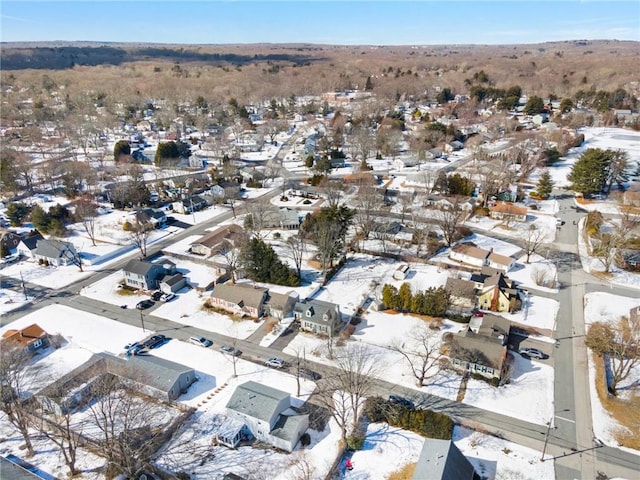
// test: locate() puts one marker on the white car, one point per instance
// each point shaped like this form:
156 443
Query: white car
201 341
275 362
167 297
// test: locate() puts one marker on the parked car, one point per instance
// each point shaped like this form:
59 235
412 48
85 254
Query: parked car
532 353
403 402
144 304
230 350
309 374
155 296
275 362
130 346
167 297
154 341
203 342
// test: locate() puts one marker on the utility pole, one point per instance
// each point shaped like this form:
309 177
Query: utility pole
546 439
24 287
142 320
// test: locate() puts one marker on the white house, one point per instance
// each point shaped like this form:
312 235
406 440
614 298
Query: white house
55 252
267 414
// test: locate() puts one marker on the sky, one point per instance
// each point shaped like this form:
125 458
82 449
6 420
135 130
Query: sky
329 22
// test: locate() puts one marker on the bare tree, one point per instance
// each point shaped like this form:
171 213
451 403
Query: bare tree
619 343
14 360
231 256
73 256
296 249
57 426
128 425
605 248
139 234
421 350
367 203
87 213
259 215
301 467
353 381
232 197
532 241
449 221
405 200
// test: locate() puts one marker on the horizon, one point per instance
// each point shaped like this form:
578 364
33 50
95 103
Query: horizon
354 23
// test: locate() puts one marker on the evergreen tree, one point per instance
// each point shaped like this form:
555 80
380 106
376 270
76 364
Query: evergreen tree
390 296
545 185
405 297
591 172
17 212
261 263
534 105
121 149
369 85
40 219
167 151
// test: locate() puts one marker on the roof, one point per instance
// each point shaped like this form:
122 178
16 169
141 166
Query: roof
279 300
510 208
140 267
172 279
460 288
494 325
256 400
287 426
470 250
51 248
148 370
500 259
14 468
239 293
31 242
318 309
26 335
218 235
442 460
491 348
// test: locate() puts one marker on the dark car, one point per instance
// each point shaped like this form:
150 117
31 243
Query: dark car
155 296
229 349
403 402
144 304
154 341
309 374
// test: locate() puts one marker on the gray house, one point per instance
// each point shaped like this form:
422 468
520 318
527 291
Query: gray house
144 275
442 460
172 283
27 246
56 252
267 414
159 377
318 317
281 305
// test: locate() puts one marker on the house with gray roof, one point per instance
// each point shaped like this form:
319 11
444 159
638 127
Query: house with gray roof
240 299
280 305
55 252
442 460
143 275
27 246
267 414
317 316
482 348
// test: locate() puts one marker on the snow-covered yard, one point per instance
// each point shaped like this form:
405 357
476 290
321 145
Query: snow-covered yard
605 307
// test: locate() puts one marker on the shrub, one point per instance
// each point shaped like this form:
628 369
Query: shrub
183 476
277 235
305 439
127 227
306 201
355 441
284 199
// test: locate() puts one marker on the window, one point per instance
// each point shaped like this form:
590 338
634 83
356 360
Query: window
37 343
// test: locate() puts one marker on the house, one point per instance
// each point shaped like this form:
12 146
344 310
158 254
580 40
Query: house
240 299
153 376
454 146
482 348
55 252
337 162
154 216
281 305
467 252
190 204
498 294
210 244
284 217
462 293
32 338
267 414
405 162
143 275
442 460
27 245
172 283
250 141
508 211
16 468
318 317
9 240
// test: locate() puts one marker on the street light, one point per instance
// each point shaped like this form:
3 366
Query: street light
546 438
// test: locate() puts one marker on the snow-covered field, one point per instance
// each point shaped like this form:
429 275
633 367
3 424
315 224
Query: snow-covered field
605 307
